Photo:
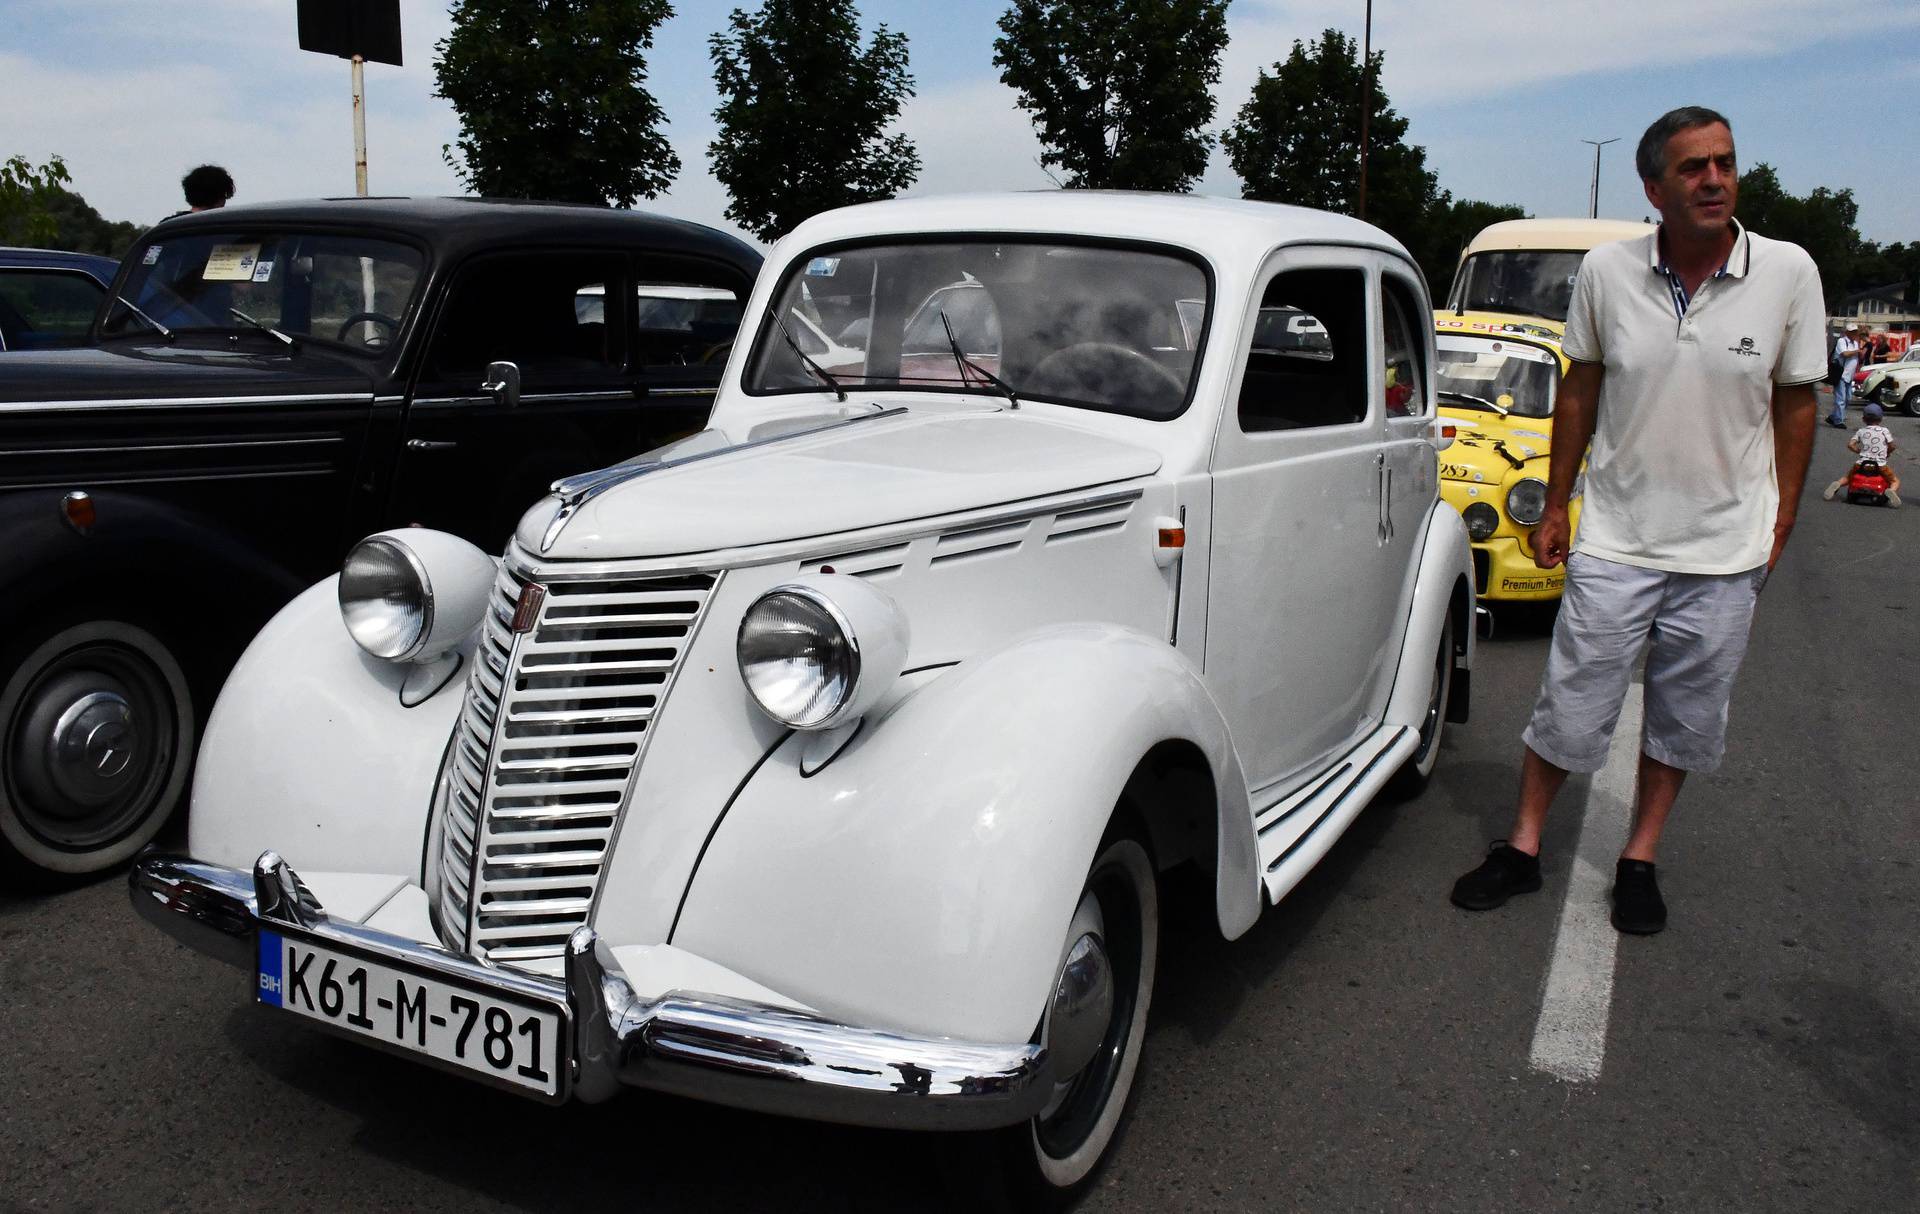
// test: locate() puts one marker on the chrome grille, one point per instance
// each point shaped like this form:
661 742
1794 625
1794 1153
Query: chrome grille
554 722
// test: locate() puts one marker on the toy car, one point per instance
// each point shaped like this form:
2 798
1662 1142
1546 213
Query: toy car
1868 483
825 762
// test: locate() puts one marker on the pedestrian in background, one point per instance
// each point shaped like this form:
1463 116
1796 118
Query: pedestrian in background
1694 354
207 188
1846 352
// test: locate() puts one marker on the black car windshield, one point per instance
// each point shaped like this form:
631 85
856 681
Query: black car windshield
1515 376
345 290
1532 282
1094 326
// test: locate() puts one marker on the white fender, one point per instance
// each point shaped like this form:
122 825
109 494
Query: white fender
1445 559
924 879
310 752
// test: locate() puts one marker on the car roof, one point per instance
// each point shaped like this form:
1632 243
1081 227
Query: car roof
452 227
93 265
1562 235
1224 229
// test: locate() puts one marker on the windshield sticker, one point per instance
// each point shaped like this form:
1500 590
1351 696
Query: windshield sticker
151 255
823 267
231 263
262 271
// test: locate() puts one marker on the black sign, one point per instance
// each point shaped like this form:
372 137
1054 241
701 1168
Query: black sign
367 28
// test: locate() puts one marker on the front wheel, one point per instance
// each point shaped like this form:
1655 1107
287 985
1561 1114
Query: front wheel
1910 403
1094 1029
96 736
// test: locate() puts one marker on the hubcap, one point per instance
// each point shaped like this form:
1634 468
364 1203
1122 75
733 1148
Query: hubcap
92 749
1082 1006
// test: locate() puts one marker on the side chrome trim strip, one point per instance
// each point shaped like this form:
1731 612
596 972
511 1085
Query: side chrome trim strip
172 478
228 445
70 406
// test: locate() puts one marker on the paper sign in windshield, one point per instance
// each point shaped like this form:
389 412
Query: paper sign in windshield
262 271
231 263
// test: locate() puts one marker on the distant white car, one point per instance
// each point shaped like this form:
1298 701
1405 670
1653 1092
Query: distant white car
825 762
1895 385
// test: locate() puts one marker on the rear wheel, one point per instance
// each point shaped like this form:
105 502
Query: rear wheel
1910 403
1411 779
96 737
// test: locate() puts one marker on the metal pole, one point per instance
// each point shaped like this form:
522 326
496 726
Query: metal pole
1366 106
359 126
1593 192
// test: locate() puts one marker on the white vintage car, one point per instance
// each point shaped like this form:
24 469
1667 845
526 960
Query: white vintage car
823 762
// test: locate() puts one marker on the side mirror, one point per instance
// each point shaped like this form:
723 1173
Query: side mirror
503 384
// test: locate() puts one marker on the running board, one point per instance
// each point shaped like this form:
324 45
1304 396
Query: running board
1296 831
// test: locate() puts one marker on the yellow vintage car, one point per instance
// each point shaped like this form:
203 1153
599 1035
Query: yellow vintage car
1497 377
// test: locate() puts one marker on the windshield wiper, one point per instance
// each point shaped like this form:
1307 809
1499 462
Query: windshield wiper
967 364
159 328
1478 402
812 366
267 329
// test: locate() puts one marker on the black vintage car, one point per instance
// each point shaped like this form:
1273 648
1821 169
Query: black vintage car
265 385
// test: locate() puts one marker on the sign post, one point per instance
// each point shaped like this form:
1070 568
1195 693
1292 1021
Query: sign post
362 31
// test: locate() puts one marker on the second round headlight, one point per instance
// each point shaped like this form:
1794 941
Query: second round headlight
385 598
1482 520
1527 500
819 653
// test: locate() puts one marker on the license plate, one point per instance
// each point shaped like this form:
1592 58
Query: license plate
469 1028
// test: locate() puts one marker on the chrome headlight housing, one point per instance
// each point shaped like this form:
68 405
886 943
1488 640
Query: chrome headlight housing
412 594
1527 500
1482 520
819 652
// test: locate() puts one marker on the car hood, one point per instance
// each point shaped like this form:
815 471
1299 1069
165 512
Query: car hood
125 370
871 471
1487 447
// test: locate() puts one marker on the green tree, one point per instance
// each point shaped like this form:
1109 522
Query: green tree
552 99
26 197
1119 91
1821 222
1297 140
804 113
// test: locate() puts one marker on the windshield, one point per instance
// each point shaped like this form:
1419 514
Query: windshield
349 291
1519 378
1532 282
1094 326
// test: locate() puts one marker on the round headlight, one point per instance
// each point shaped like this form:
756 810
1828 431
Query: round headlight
819 653
413 594
1482 520
385 598
1527 500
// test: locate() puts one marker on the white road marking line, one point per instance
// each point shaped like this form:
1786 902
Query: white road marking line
1570 1038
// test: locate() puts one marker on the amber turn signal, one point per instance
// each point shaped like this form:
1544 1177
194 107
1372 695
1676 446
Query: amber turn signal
77 507
1173 537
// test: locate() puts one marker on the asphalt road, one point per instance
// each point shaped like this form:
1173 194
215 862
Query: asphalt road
1365 1047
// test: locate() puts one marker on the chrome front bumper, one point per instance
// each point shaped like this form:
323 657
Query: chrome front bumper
728 1051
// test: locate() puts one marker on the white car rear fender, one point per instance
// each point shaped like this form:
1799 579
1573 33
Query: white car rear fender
1444 583
923 880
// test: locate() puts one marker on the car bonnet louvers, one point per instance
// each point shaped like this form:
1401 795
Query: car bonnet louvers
555 722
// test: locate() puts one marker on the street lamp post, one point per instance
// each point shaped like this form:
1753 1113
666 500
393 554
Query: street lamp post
1593 197
1366 107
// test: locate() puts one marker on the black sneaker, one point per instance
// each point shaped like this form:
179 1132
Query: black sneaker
1638 908
1505 872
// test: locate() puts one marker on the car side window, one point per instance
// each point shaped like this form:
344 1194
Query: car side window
557 316
1405 353
1308 362
42 309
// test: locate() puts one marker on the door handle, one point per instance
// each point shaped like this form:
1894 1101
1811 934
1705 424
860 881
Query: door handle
431 444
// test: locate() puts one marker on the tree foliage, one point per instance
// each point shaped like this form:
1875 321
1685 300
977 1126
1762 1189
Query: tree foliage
26 199
804 113
553 101
1297 140
1119 91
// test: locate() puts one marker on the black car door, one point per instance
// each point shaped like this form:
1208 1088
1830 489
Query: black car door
590 391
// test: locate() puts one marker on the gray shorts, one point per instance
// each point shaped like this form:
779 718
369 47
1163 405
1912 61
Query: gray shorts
1694 627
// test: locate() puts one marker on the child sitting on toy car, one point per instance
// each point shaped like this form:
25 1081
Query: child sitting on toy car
1874 444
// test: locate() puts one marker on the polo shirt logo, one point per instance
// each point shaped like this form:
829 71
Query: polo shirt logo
1745 347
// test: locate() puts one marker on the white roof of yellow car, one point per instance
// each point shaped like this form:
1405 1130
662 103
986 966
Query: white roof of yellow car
1575 235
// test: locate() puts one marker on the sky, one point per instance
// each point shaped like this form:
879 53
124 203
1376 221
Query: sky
132 93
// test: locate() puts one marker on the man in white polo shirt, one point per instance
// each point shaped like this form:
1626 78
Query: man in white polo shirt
1695 353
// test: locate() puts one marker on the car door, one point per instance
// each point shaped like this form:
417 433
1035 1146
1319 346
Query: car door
1410 463
46 307
592 389
1300 595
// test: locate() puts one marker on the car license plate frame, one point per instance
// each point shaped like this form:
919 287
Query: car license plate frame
419 1011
